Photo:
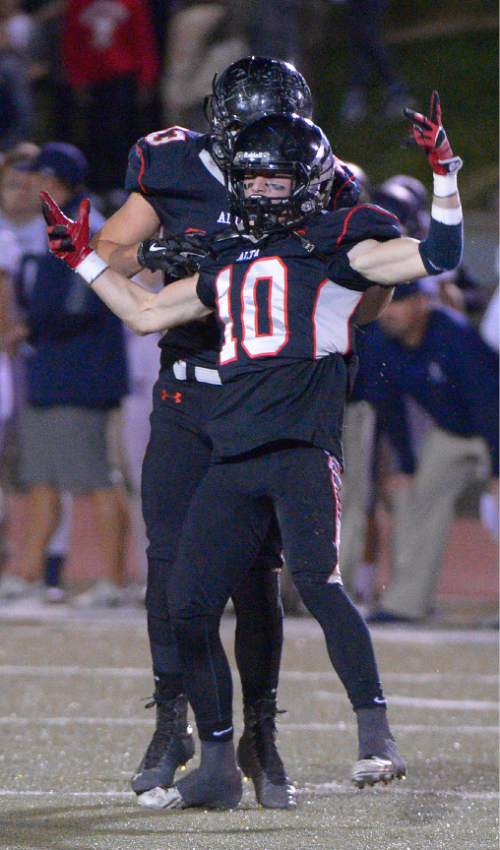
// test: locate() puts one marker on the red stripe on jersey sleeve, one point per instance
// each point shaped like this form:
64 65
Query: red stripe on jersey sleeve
141 169
355 210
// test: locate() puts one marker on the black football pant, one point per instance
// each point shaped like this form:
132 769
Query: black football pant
176 460
227 521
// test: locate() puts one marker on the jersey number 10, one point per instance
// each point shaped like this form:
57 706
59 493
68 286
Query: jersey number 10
273 272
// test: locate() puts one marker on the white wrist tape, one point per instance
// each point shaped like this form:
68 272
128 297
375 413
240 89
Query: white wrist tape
91 267
445 185
447 216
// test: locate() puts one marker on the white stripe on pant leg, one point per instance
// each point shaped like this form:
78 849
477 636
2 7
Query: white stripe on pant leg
334 468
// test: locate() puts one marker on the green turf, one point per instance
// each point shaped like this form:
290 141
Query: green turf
71 738
463 67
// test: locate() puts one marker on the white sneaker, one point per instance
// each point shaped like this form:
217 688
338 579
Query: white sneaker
103 594
54 595
15 587
135 594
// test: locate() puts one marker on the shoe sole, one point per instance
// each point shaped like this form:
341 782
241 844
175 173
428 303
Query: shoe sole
170 798
371 771
270 796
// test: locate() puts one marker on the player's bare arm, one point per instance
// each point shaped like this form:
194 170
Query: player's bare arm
142 311
146 312
118 240
372 304
405 259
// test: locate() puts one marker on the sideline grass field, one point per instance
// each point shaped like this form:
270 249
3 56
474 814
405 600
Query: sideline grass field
73 729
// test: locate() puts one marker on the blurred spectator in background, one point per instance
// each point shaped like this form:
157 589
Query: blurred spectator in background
76 375
111 64
434 356
9 259
490 325
142 361
370 64
377 447
274 29
490 332
16 102
55 118
203 38
20 215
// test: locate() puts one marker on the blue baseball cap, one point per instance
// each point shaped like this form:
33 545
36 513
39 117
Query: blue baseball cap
63 161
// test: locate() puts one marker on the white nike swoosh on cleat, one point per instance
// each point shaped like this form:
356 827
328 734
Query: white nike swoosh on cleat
224 731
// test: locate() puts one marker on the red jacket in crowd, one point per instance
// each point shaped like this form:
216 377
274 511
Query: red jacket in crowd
103 39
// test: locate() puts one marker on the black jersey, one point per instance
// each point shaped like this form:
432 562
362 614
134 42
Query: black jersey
285 305
174 171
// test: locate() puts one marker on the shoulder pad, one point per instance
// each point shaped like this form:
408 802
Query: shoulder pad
366 221
346 188
157 158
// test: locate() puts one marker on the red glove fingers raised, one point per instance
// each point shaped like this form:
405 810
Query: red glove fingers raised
68 239
429 134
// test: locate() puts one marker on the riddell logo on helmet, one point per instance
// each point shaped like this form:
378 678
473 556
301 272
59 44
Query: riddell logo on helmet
251 156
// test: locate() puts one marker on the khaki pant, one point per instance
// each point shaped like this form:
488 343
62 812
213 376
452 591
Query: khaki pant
357 440
422 516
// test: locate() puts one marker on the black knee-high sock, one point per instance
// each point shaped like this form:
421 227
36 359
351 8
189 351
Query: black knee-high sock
259 633
348 641
209 685
167 670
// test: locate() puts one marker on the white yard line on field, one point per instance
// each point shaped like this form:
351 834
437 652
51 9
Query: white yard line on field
285 675
320 789
340 726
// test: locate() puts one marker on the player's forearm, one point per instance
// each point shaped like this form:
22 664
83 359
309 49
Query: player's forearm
143 312
121 258
125 299
373 303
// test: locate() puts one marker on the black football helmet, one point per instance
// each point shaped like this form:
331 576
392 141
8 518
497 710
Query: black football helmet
286 145
249 89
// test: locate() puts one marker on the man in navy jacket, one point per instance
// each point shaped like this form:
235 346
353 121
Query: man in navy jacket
433 355
76 375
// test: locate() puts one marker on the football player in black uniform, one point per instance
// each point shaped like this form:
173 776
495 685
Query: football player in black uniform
284 286
176 182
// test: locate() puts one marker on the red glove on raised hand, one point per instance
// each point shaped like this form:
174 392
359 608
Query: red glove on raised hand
68 239
429 134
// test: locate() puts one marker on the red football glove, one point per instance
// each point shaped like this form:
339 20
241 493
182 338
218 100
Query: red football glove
68 239
429 134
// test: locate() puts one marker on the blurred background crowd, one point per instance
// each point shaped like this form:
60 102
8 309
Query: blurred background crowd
80 81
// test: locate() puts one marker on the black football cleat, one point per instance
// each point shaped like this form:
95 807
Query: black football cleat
379 758
258 757
215 784
171 746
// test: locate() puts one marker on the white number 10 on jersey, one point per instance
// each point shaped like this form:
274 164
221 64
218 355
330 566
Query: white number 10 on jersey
272 273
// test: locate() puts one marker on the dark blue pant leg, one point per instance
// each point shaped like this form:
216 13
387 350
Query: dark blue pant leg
307 503
221 537
176 460
177 457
